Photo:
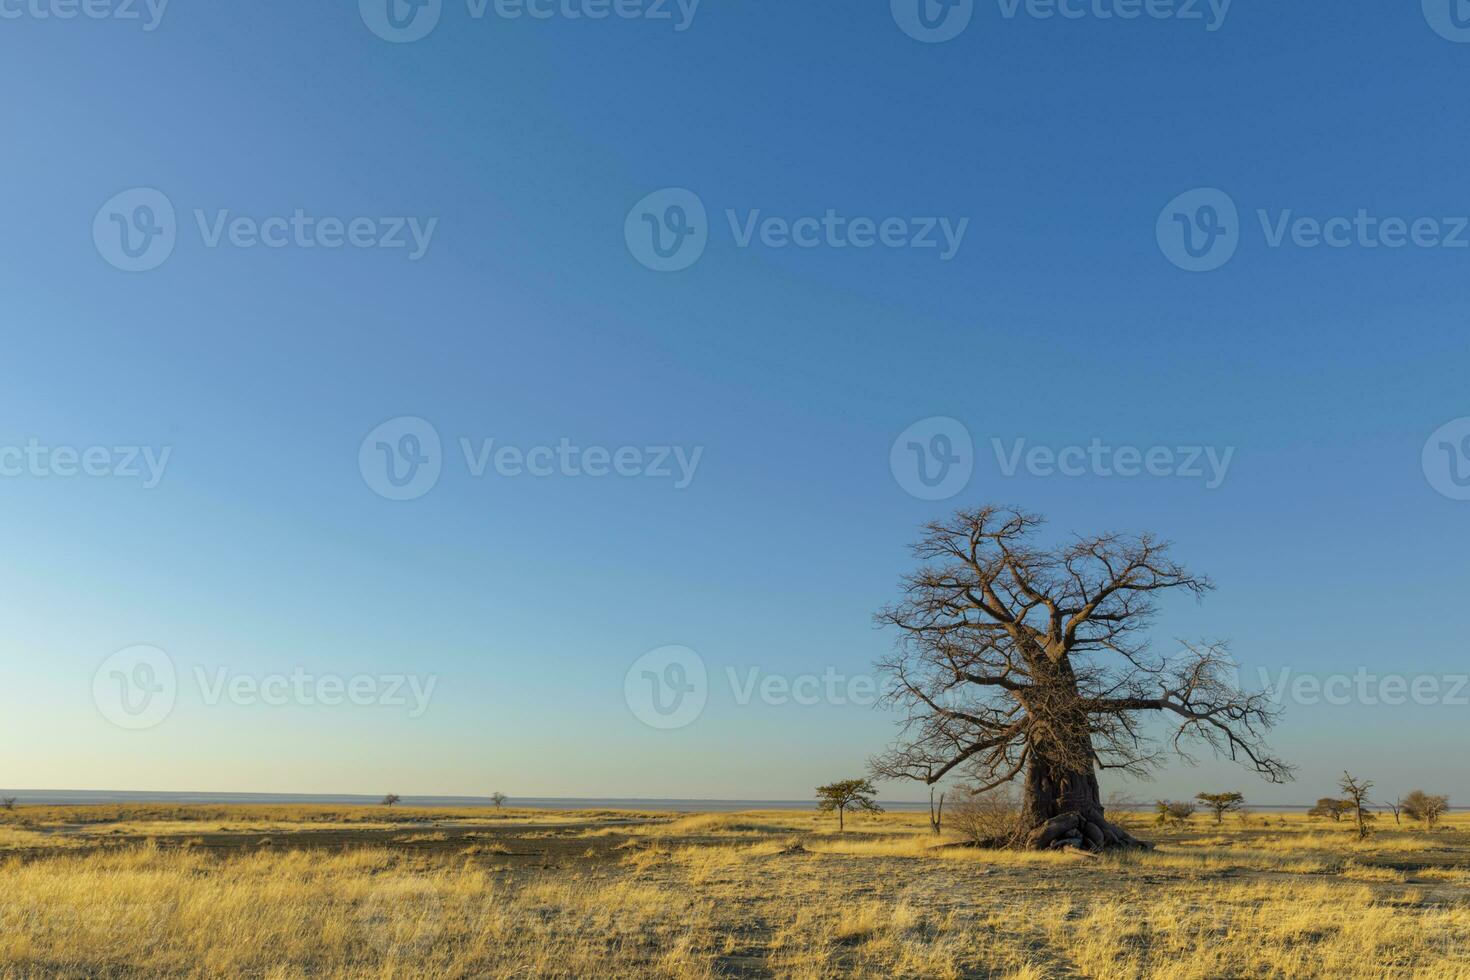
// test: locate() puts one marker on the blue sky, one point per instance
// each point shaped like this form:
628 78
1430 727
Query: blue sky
1060 320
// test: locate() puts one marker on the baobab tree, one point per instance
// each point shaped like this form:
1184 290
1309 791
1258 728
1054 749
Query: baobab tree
1020 661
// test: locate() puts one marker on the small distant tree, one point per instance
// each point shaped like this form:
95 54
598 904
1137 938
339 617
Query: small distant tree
391 799
848 794
7 803
1221 803
498 799
1425 807
936 812
1397 807
1355 794
1176 812
1330 807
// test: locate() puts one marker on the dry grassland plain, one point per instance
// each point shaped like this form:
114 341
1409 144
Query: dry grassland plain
280 892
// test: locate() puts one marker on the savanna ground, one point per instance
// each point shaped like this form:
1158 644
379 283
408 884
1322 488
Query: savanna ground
131 891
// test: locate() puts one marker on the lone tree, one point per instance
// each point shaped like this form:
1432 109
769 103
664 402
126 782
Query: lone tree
849 794
1332 808
1222 803
1425 807
1016 660
498 799
1355 795
391 799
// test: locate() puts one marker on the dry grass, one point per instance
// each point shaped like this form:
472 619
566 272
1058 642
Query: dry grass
720 895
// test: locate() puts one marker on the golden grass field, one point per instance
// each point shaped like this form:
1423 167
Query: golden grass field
131 891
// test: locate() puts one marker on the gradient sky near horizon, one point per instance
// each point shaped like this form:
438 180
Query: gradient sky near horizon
1060 321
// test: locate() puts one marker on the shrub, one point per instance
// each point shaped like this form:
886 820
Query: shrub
989 819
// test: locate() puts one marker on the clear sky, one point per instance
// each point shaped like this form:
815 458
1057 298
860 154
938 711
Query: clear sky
523 149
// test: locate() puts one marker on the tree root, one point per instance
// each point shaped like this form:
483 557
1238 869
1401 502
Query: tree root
1090 833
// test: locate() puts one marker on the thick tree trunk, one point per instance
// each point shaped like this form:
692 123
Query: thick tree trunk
1063 808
